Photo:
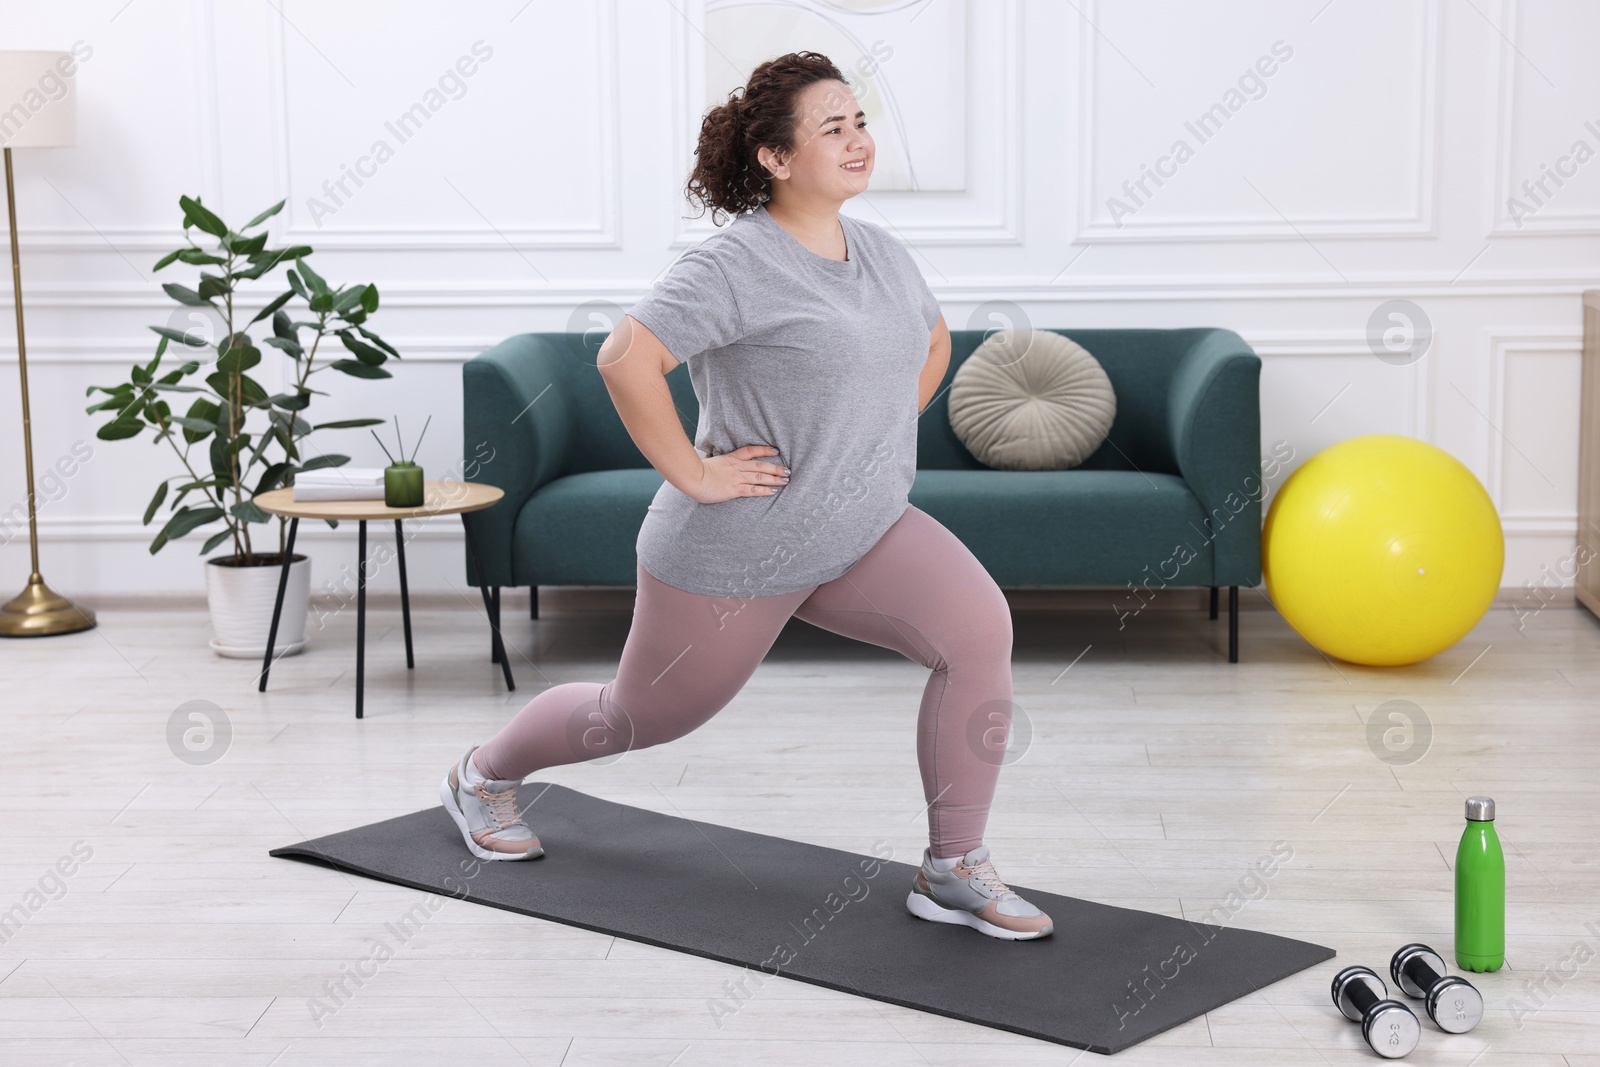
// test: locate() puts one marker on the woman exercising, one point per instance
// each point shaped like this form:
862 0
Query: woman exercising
813 335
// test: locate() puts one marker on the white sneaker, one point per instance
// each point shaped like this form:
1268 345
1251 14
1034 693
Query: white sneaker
972 894
487 815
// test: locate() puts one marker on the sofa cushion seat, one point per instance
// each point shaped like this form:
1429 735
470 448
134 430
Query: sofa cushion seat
583 527
1089 527
1095 527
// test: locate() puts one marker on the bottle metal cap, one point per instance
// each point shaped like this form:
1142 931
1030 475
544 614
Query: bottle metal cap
1480 809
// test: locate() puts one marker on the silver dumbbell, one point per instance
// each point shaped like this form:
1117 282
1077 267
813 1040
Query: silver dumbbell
1387 1026
1453 1003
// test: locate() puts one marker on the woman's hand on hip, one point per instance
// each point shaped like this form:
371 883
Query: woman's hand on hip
739 473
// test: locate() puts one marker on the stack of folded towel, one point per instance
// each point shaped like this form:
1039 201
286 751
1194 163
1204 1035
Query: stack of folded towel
339 483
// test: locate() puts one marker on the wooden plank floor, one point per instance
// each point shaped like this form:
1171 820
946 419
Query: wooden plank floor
1155 775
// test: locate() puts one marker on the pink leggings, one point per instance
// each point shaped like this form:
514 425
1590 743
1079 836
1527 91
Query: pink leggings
918 591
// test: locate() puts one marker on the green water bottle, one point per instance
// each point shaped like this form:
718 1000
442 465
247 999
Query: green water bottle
1480 891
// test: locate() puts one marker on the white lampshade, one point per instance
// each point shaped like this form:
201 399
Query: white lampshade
38 99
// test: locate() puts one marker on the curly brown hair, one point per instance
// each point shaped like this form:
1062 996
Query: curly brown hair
727 176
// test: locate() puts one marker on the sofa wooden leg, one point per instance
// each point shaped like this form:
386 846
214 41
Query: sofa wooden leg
1213 603
533 602
1233 623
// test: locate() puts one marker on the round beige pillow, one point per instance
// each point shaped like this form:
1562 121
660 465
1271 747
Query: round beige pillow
1031 400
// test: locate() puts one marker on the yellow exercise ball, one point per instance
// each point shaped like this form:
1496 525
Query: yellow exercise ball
1382 550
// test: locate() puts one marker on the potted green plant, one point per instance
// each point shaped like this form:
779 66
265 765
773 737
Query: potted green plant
248 440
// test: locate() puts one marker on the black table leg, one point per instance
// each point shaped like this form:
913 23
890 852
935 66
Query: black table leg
488 608
405 597
277 607
1213 602
494 642
361 614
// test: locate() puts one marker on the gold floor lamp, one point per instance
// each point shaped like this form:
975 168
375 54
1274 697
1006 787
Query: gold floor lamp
39 111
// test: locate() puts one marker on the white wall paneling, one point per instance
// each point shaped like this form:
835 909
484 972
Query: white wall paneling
522 153
987 210
1547 131
1532 434
1261 134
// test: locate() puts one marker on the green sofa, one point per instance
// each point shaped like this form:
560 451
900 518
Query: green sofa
1172 498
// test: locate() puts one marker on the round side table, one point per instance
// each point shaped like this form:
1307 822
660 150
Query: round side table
439 498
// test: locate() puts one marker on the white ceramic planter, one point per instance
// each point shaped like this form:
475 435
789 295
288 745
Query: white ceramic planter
241 600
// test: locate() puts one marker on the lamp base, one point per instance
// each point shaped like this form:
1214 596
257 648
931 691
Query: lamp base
39 611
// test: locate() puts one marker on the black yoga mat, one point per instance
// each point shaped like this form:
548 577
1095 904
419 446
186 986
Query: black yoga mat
1107 978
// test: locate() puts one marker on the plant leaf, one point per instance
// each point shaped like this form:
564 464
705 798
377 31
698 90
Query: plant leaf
364 352
220 465
272 307
271 478
286 439
185 490
187 519
348 299
196 214
199 426
120 428
251 390
170 334
256 271
184 295
291 401
348 424
238 354
155 502
283 327
329 460
265 215
220 383
380 342
201 410
200 257
263 441
313 279
357 369
213 286
265 261
216 539
369 299
249 511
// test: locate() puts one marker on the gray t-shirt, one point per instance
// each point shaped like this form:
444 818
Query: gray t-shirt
818 358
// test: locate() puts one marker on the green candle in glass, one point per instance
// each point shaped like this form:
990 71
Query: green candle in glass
402 479
402 485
